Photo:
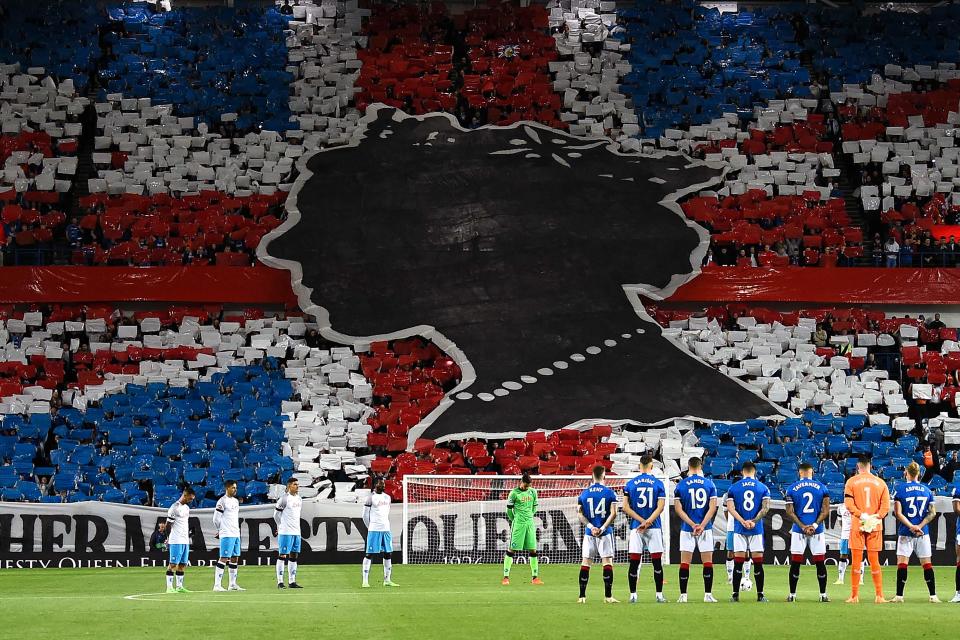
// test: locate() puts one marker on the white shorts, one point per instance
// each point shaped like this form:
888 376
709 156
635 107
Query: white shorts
650 540
799 543
908 545
702 543
601 547
747 544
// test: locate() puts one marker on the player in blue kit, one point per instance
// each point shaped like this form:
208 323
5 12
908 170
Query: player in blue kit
748 500
808 506
913 507
695 501
956 510
597 508
644 500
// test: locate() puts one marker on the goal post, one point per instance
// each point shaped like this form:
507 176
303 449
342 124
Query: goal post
461 519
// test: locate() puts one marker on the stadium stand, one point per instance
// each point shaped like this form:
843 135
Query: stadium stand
195 150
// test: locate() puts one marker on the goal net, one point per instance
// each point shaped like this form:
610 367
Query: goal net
463 519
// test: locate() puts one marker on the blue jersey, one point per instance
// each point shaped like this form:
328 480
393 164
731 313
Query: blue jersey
596 501
914 499
695 494
748 496
643 494
807 499
956 498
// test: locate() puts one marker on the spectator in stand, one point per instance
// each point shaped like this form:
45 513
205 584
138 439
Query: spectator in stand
820 337
892 251
707 259
74 234
906 255
936 324
929 255
286 9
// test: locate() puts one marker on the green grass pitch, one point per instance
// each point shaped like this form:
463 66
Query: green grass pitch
444 601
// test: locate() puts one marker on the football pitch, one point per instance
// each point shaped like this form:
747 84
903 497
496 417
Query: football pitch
444 601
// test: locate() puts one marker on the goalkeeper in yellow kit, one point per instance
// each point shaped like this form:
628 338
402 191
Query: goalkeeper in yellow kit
521 507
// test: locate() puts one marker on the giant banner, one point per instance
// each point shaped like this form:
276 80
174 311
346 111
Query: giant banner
478 532
97 534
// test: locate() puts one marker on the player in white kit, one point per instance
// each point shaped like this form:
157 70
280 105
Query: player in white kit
844 560
287 517
177 528
376 515
226 518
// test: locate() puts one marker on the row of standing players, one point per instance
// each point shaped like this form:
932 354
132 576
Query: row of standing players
866 503
226 519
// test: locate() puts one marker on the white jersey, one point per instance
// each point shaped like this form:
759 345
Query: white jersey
845 520
377 512
178 521
287 515
227 517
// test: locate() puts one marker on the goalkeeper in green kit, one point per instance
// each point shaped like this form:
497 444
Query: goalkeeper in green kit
521 507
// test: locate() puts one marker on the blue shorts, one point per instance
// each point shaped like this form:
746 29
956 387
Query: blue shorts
179 553
288 543
379 542
229 547
844 547
730 540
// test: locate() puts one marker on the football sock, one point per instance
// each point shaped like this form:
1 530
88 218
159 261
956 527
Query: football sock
584 579
794 576
707 577
821 573
842 569
901 578
684 576
737 575
930 578
507 563
233 573
608 580
179 575
218 568
292 571
633 572
956 578
366 568
387 569
280 564
876 572
657 573
170 577
534 565
856 560
758 574
730 570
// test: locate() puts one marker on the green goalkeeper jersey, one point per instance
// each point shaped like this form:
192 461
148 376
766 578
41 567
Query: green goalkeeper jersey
523 505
